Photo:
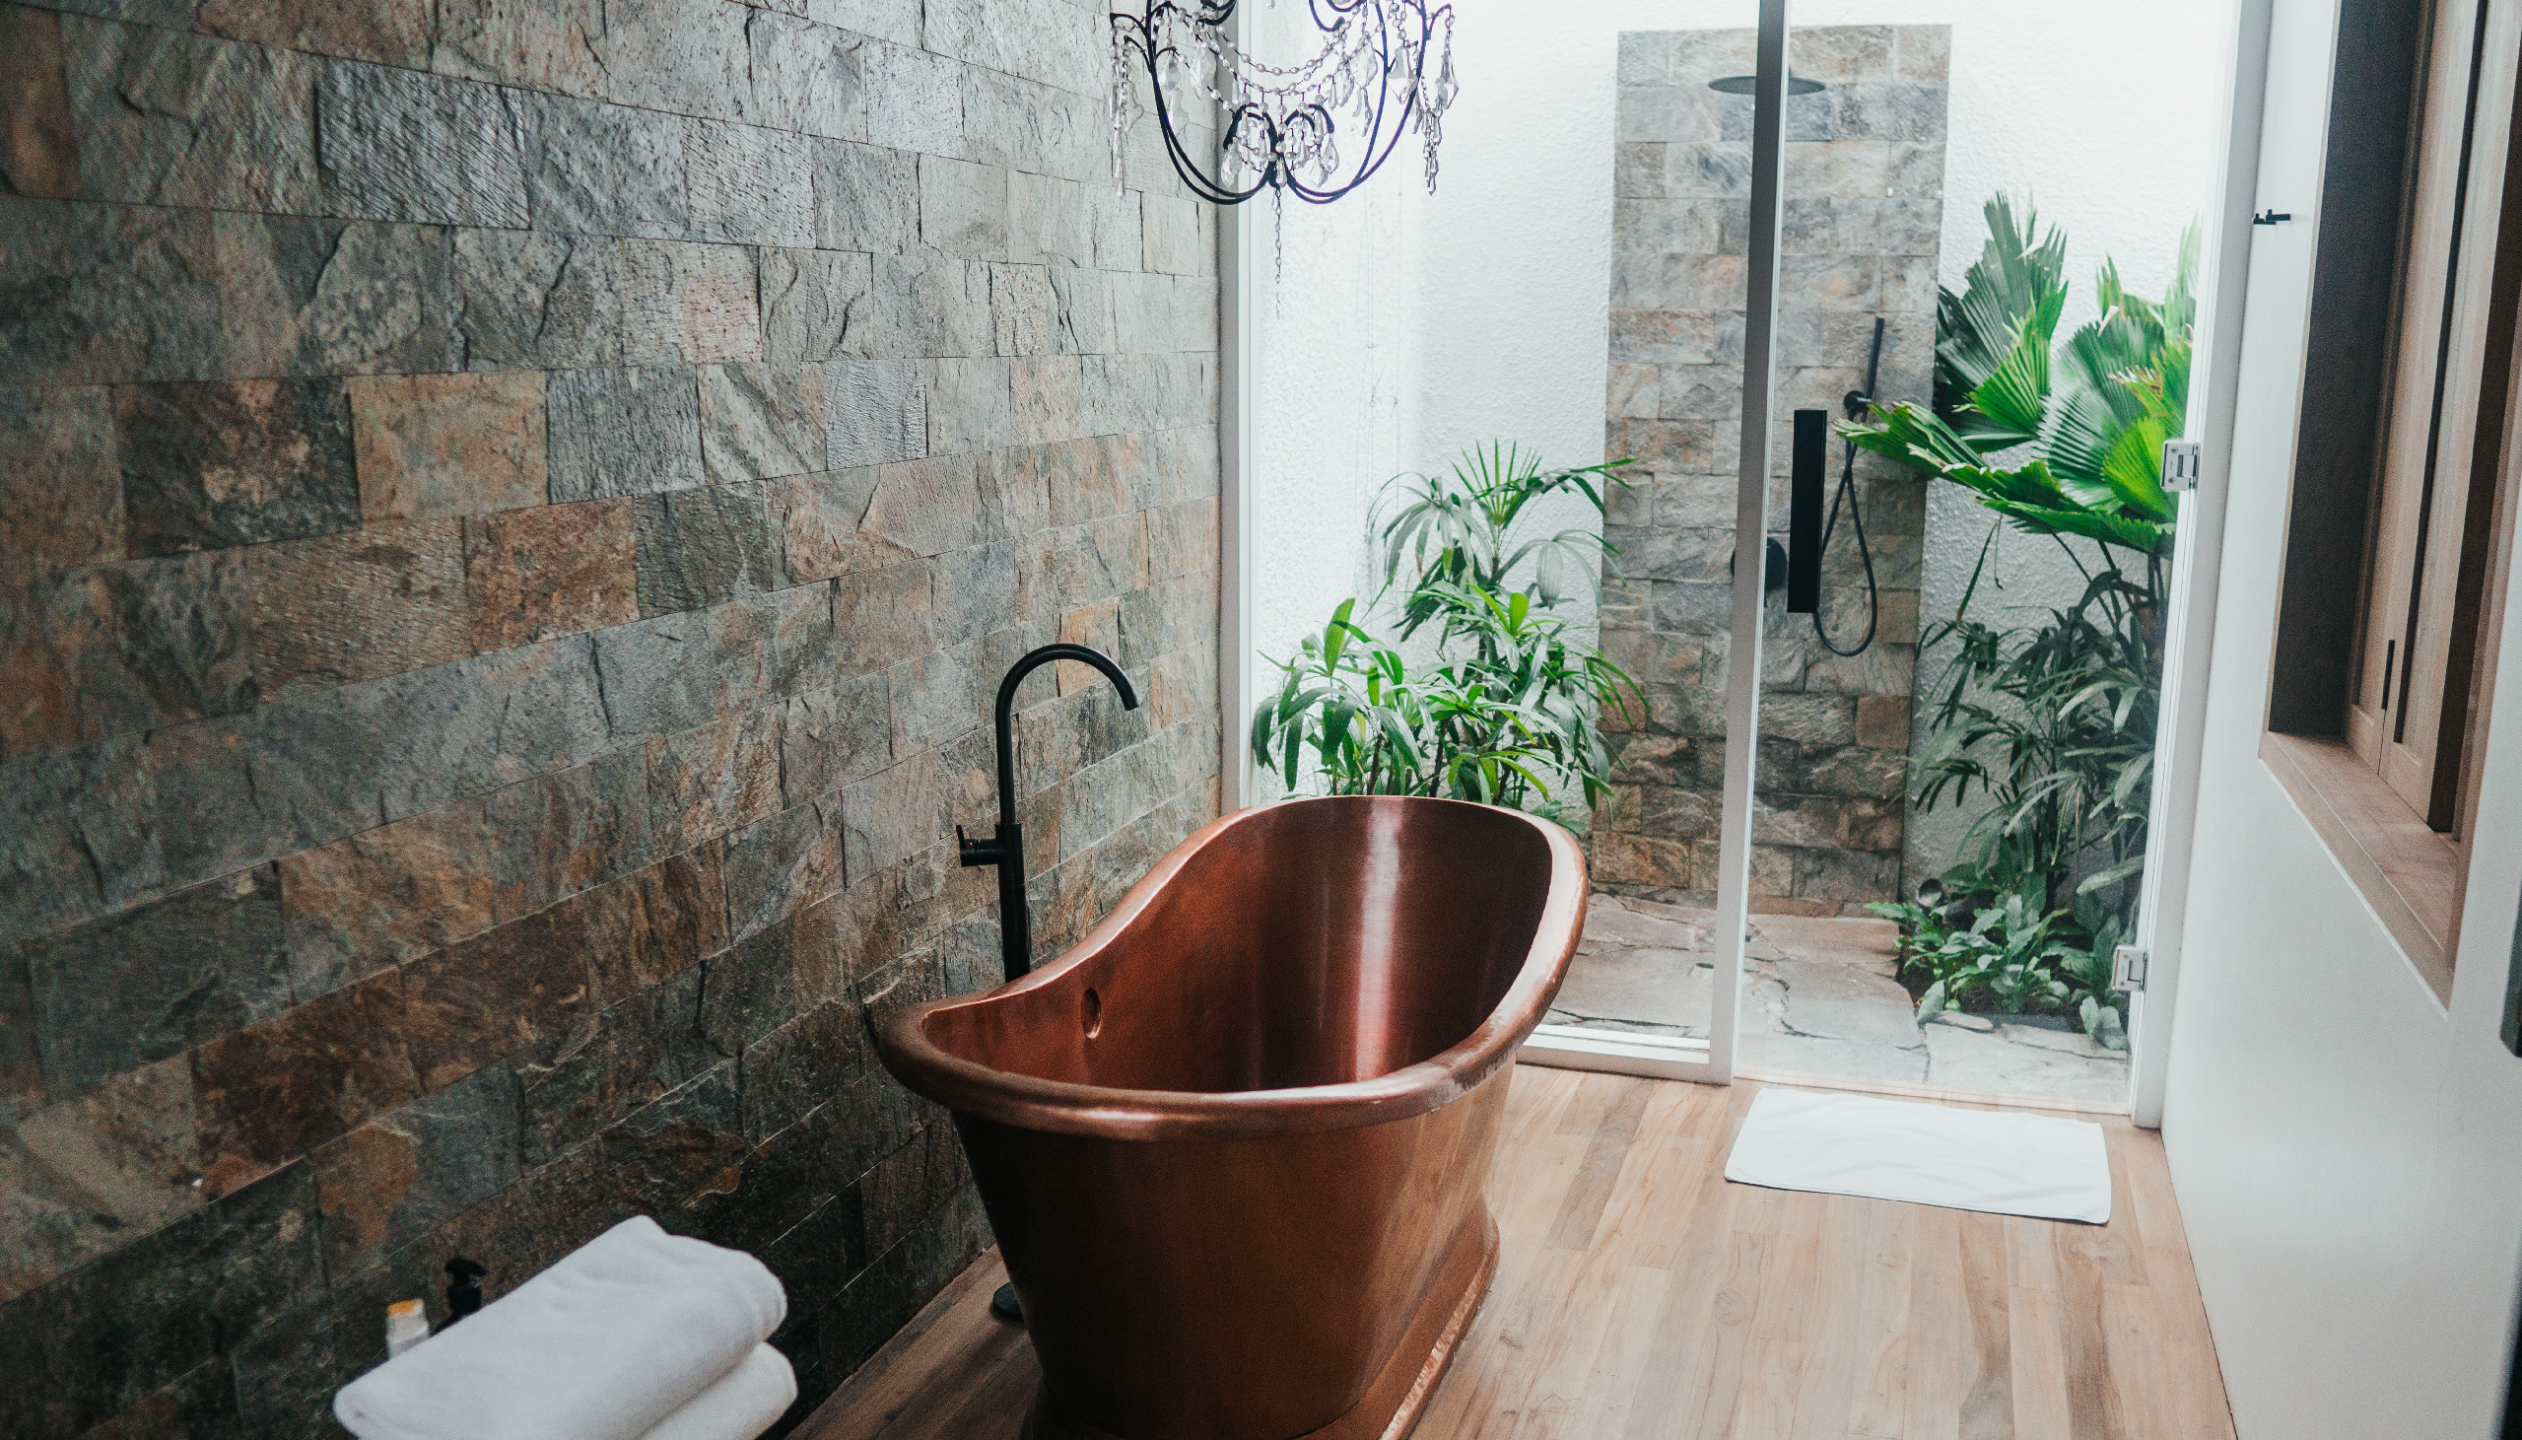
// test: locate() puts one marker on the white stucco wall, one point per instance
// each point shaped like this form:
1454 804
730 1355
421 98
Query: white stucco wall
1409 326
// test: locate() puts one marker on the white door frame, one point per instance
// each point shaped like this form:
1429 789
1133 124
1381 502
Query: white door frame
2197 561
1712 1061
1238 779
1238 310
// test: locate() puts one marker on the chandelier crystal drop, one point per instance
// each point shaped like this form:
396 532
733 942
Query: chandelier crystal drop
1316 130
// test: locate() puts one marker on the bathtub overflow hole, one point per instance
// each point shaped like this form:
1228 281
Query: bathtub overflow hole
1093 1015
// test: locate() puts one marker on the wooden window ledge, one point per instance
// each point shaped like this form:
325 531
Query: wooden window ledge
2410 874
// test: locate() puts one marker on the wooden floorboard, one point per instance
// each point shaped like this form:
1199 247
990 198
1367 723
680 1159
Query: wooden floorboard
1642 1296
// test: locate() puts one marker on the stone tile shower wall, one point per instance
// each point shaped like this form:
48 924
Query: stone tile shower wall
511 516
1863 207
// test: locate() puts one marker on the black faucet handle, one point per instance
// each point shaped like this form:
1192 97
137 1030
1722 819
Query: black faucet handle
973 852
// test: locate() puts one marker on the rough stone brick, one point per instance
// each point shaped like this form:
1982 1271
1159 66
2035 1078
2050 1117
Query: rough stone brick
788 861
962 208
927 507
61 486
658 922
703 547
761 422
1900 110
1081 311
803 640
521 991
387 895
929 306
87 1174
1058 570
1182 539
972 591
163 1307
402 1174
686 56
1115 226
106 293
1027 126
1047 221
641 1049
968 405
168 118
719 778
235 464
914 99
562 833
525 299
882 615
1174 241
623 432
1013 496
833 736
404 146
531 575
1020 308
395 32
684 669
896 20
540 44
1883 721
874 412
1923 52
121 993
39 150
308 296
350 607
604 169
866 197
442 445
812 301
896 812
694 303
805 77
818 517
1045 397
749 185
1097 627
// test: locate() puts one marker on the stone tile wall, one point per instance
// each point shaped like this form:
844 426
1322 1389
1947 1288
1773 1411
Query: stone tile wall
512 513
1863 208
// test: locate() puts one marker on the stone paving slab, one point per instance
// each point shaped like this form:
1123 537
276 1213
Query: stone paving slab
1820 996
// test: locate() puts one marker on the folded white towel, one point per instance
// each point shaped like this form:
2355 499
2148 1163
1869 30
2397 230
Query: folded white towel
602 1346
743 1404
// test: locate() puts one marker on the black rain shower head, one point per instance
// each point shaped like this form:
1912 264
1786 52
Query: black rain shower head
1749 84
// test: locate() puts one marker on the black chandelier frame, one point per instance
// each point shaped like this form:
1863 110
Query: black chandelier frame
1141 33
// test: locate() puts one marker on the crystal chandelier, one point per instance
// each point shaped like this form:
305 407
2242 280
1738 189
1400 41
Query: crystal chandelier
1283 129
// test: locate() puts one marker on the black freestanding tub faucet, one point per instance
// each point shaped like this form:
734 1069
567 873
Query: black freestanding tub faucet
1007 850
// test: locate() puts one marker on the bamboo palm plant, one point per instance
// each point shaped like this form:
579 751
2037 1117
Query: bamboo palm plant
2052 721
1507 713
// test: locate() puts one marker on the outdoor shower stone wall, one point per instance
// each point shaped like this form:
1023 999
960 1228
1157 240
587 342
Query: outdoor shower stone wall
1863 207
511 516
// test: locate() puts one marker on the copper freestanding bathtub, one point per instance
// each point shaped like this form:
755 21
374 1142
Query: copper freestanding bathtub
1234 1144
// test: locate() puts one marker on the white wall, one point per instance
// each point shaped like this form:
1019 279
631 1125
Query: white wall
1428 323
2347 1151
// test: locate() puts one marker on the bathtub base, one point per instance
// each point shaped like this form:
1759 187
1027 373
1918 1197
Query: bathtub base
1393 1401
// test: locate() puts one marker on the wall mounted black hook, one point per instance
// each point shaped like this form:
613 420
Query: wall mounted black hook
1006 850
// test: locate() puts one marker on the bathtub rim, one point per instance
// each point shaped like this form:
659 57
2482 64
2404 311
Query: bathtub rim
1064 1107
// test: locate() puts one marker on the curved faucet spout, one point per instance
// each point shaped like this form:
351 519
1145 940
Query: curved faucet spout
1007 849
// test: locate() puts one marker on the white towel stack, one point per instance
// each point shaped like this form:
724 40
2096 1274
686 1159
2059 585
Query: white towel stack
636 1335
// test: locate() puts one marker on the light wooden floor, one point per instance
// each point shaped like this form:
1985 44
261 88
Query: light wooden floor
1641 1295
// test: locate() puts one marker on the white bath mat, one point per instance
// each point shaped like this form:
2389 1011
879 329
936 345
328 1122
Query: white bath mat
2012 1164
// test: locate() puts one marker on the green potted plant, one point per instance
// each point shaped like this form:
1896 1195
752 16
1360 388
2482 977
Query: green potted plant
1507 712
